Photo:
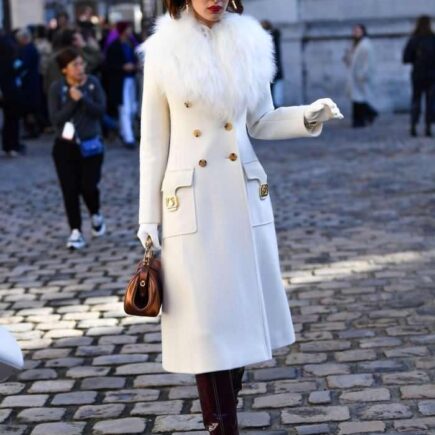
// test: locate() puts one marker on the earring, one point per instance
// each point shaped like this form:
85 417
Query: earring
187 6
234 4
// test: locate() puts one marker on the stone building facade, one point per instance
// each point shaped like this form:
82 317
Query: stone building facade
316 33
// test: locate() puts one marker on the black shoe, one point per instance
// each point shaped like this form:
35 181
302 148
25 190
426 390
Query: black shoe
428 131
22 149
414 131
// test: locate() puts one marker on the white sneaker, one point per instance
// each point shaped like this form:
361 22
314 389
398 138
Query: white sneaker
75 240
98 225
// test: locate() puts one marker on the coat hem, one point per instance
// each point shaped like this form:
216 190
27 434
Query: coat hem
242 363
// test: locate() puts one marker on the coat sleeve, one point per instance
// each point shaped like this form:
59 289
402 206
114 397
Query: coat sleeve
154 147
409 54
266 122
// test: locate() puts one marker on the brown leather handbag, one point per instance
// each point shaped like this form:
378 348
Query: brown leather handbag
144 293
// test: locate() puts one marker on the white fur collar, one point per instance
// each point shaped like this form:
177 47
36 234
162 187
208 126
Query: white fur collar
226 67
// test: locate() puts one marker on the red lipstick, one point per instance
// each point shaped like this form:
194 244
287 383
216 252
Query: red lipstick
215 9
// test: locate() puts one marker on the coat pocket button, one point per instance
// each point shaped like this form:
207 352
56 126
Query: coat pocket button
228 126
233 157
202 163
264 191
197 133
172 202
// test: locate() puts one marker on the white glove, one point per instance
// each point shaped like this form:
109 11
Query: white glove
321 111
151 230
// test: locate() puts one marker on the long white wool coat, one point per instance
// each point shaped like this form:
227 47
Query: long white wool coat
204 90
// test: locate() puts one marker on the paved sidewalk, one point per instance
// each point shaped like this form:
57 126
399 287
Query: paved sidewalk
355 215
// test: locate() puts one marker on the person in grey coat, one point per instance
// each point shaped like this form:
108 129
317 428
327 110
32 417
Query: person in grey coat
76 104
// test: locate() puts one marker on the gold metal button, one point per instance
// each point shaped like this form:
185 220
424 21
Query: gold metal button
228 126
233 157
172 202
264 191
188 104
202 163
197 133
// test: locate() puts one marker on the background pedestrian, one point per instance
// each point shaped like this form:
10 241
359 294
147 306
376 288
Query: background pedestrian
420 53
77 104
361 62
31 83
121 67
12 100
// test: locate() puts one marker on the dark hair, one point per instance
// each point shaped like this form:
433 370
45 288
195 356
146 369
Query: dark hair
363 28
423 26
63 14
175 7
40 31
65 56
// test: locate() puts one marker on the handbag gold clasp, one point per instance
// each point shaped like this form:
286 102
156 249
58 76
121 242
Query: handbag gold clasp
172 202
264 191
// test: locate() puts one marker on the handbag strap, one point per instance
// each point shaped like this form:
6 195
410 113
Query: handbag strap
149 254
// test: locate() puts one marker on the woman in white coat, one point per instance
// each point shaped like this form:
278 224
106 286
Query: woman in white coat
207 81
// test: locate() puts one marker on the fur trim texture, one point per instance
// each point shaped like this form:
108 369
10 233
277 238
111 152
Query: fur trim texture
226 67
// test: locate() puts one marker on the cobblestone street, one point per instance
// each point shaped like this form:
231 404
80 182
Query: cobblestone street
355 216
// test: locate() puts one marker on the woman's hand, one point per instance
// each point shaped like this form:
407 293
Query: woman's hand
321 111
75 93
146 230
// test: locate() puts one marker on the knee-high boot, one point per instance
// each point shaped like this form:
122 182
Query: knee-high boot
237 375
218 402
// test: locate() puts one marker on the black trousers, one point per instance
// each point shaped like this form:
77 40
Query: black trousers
78 177
422 89
363 114
11 130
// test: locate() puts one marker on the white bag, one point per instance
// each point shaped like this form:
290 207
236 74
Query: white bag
11 357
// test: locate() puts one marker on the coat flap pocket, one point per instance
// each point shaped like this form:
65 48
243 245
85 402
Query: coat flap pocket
255 171
176 179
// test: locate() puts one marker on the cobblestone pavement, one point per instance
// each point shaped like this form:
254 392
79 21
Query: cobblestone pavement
355 214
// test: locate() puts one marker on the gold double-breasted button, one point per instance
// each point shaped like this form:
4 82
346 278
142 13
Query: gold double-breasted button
233 157
228 126
188 104
202 163
197 133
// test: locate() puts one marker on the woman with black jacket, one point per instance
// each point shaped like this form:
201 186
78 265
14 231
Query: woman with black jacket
12 96
420 52
76 105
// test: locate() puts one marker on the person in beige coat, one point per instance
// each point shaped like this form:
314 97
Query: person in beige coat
207 77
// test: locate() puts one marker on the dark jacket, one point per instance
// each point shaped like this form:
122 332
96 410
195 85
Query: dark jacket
85 114
11 71
420 52
31 81
115 74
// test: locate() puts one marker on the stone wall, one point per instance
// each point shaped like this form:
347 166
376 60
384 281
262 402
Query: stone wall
25 12
316 33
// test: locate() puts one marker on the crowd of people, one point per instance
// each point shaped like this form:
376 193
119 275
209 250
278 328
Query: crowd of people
28 68
80 87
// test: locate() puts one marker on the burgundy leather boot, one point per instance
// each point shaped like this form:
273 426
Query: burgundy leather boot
218 402
237 375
